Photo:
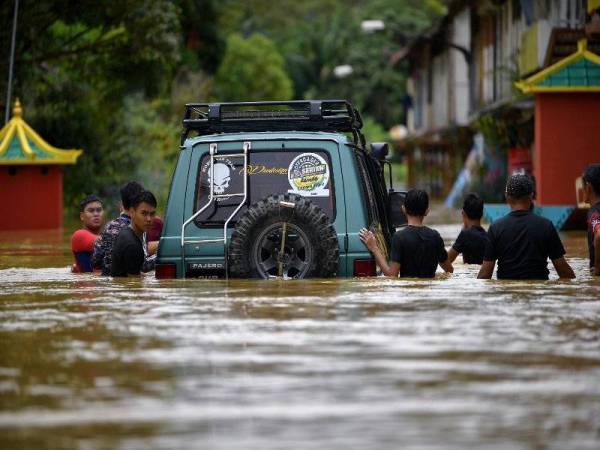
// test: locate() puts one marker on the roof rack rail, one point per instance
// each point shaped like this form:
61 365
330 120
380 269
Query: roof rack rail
295 115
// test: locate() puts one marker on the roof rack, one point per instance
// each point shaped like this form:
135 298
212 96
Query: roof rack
296 115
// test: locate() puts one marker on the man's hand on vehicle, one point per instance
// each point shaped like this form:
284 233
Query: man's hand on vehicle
368 238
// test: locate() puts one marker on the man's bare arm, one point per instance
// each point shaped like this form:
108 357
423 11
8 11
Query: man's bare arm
368 238
152 247
563 268
452 255
447 265
487 269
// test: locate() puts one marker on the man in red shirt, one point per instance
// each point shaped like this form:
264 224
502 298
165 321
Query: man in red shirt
91 214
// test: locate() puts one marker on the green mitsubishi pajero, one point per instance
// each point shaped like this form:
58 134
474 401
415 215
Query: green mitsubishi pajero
276 189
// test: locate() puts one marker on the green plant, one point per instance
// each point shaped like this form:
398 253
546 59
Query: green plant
252 69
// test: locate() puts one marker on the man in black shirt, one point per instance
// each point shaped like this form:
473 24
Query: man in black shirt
473 238
591 189
128 250
416 250
521 241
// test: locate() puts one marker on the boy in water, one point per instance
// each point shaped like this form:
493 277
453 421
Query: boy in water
416 250
473 238
104 244
91 213
522 241
128 250
591 189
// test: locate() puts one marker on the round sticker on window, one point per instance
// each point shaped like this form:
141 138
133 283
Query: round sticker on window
308 175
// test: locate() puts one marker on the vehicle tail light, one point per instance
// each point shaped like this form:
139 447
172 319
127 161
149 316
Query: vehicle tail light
164 271
365 268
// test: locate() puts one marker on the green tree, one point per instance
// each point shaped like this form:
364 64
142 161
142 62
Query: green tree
150 140
111 77
202 40
76 63
315 36
113 45
252 69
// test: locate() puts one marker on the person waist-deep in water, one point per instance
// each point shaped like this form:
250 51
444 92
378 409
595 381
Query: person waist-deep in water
102 256
128 250
591 189
522 241
472 239
91 213
416 250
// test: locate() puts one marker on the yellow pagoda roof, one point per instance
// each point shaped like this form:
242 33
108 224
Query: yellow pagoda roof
21 145
578 72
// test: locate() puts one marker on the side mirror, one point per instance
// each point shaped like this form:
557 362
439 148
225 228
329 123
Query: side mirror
397 217
380 150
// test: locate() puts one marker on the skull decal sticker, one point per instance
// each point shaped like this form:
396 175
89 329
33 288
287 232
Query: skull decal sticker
221 181
222 175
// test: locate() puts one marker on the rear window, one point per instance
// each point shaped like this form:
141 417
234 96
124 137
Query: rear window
307 173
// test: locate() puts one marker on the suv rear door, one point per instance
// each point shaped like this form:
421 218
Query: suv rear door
269 167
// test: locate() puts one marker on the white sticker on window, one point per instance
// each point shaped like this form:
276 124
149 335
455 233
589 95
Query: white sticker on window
223 169
308 175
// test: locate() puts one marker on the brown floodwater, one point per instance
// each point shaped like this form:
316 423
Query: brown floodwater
89 362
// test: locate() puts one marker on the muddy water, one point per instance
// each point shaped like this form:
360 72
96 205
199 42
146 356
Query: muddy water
89 362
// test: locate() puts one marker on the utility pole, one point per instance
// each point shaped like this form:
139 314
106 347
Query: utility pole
11 62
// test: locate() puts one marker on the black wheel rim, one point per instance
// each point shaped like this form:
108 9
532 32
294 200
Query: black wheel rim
297 252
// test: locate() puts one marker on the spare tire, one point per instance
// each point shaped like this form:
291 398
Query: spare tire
311 248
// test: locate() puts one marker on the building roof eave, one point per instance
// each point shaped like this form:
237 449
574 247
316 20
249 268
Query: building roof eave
532 85
32 148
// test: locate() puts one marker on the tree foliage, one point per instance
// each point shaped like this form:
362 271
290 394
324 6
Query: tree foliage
375 86
252 69
113 45
76 65
315 36
111 77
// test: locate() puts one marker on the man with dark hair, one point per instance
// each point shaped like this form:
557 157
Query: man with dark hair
128 251
473 238
103 247
416 250
522 241
91 213
591 190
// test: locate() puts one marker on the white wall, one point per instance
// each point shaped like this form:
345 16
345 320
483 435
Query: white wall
440 90
460 92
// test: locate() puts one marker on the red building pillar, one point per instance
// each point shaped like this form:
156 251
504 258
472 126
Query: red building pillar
567 130
31 197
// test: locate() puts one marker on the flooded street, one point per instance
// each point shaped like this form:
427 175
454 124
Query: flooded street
89 362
